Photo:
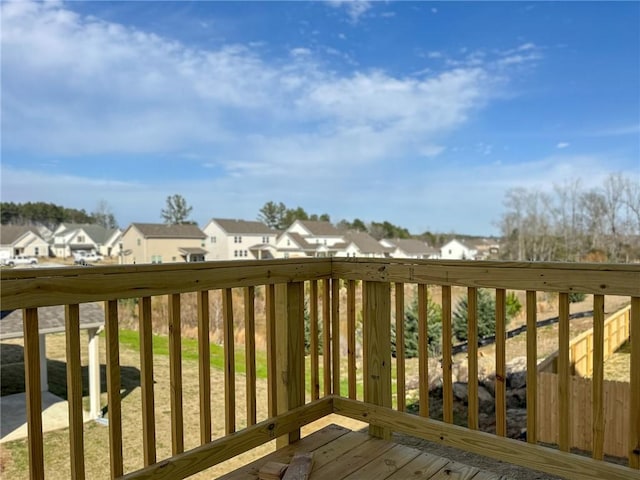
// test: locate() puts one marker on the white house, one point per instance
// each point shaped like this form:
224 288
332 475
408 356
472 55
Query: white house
410 248
458 250
21 240
229 239
70 237
310 239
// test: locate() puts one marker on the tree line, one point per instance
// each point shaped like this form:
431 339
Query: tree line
51 215
572 223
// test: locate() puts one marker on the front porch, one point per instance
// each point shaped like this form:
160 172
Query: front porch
349 305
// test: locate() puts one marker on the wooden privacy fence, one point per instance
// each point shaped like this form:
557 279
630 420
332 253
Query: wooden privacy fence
288 285
616 413
616 333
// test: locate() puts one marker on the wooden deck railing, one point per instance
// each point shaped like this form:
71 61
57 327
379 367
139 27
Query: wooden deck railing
318 283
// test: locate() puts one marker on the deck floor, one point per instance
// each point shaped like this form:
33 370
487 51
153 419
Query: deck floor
339 453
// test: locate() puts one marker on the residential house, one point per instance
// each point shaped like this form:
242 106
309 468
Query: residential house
487 248
69 238
361 244
410 248
21 240
313 239
458 250
160 243
229 239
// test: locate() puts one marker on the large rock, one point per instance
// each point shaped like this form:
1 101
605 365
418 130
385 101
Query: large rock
517 398
517 373
486 403
461 392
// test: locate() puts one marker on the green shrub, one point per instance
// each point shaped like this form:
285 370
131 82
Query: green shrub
577 297
434 329
486 314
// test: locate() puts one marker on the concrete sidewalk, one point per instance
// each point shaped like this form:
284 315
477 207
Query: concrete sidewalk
13 415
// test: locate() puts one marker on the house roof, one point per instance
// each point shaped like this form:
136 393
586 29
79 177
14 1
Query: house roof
50 320
243 227
366 243
325 229
98 233
161 230
10 234
413 246
302 243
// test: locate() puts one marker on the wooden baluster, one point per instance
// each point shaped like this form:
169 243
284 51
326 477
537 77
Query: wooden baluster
378 352
423 352
326 335
447 381
272 375
113 388
229 363
501 374
33 392
634 405
146 381
564 378
532 366
175 374
74 390
290 338
313 344
204 366
335 334
400 352
250 352
351 337
472 357
597 380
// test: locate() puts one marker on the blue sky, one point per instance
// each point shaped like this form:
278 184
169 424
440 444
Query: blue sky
419 113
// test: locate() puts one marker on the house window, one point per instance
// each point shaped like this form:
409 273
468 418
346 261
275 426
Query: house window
173 259
265 239
36 251
450 251
288 242
245 253
235 253
80 238
202 244
139 242
237 239
213 239
286 255
156 258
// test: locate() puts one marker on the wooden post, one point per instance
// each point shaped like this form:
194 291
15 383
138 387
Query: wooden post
351 337
74 391
204 367
94 373
472 357
532 367
272 371
290 356
597 392
501 373
250 353
313 317
634 406
377 324
326 335
175 375
229 362
400 363
447 361
335 334
146 382
423 352
564 424
113 388
33 393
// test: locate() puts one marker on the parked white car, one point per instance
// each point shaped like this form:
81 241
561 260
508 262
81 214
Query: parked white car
21 260
82 258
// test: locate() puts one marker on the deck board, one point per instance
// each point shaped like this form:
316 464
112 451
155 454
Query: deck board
340 454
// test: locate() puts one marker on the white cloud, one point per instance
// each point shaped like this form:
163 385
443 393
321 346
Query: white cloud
82 87
562 145
355 8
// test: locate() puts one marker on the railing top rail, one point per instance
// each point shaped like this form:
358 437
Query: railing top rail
28 288
596 278
25 288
